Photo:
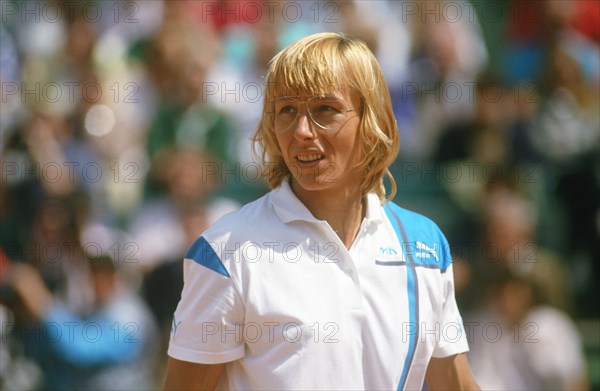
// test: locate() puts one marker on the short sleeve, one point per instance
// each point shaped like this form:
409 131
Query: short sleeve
207 324
453 338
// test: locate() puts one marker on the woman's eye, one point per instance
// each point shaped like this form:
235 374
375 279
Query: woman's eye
326 109
287 110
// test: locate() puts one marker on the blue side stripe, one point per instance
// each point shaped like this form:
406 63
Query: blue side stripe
203 254
413 320
412 292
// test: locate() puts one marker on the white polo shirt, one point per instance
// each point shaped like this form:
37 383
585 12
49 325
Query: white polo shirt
274 292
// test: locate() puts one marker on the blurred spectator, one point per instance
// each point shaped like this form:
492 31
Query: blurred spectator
52 143
513 331
234 82
566 133
535 27
587 19
497 133
107 347
448 56
55 249
510 227
20 196
517 343
482 138
17 370
506 240
9 77
180 56
568 123
190 178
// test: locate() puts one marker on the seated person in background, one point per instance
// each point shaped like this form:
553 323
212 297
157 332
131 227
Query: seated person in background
112 347
519 343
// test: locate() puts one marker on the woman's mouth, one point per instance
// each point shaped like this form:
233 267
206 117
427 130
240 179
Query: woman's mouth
310 158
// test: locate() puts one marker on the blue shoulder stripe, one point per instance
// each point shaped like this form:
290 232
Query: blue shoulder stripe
425 242
203 254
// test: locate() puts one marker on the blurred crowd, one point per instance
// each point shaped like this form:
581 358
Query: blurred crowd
125 132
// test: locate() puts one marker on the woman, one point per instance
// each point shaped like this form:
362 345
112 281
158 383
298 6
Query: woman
322 283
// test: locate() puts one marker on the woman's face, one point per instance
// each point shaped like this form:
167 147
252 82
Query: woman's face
319 140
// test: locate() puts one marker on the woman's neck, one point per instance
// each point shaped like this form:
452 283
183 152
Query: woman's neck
343 209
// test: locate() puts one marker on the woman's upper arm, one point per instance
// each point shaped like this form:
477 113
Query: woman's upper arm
183 375
450 373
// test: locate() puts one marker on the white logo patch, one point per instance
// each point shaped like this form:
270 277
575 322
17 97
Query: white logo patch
426 251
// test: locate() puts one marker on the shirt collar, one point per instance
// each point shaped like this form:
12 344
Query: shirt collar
289 208
374 208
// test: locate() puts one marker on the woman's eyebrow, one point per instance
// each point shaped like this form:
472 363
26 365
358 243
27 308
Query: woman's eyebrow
296 97
328 97
285 97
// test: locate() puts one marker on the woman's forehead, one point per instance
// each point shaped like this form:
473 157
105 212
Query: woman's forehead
340 91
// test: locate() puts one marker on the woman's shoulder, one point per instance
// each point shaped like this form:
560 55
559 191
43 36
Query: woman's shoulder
245 220
412 220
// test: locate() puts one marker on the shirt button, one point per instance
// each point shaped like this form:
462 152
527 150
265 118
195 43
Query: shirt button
349 273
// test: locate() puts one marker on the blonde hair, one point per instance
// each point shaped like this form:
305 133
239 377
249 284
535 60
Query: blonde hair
321 64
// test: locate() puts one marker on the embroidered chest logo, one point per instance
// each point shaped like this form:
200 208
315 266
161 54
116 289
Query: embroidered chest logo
424 251
387 251
392 257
